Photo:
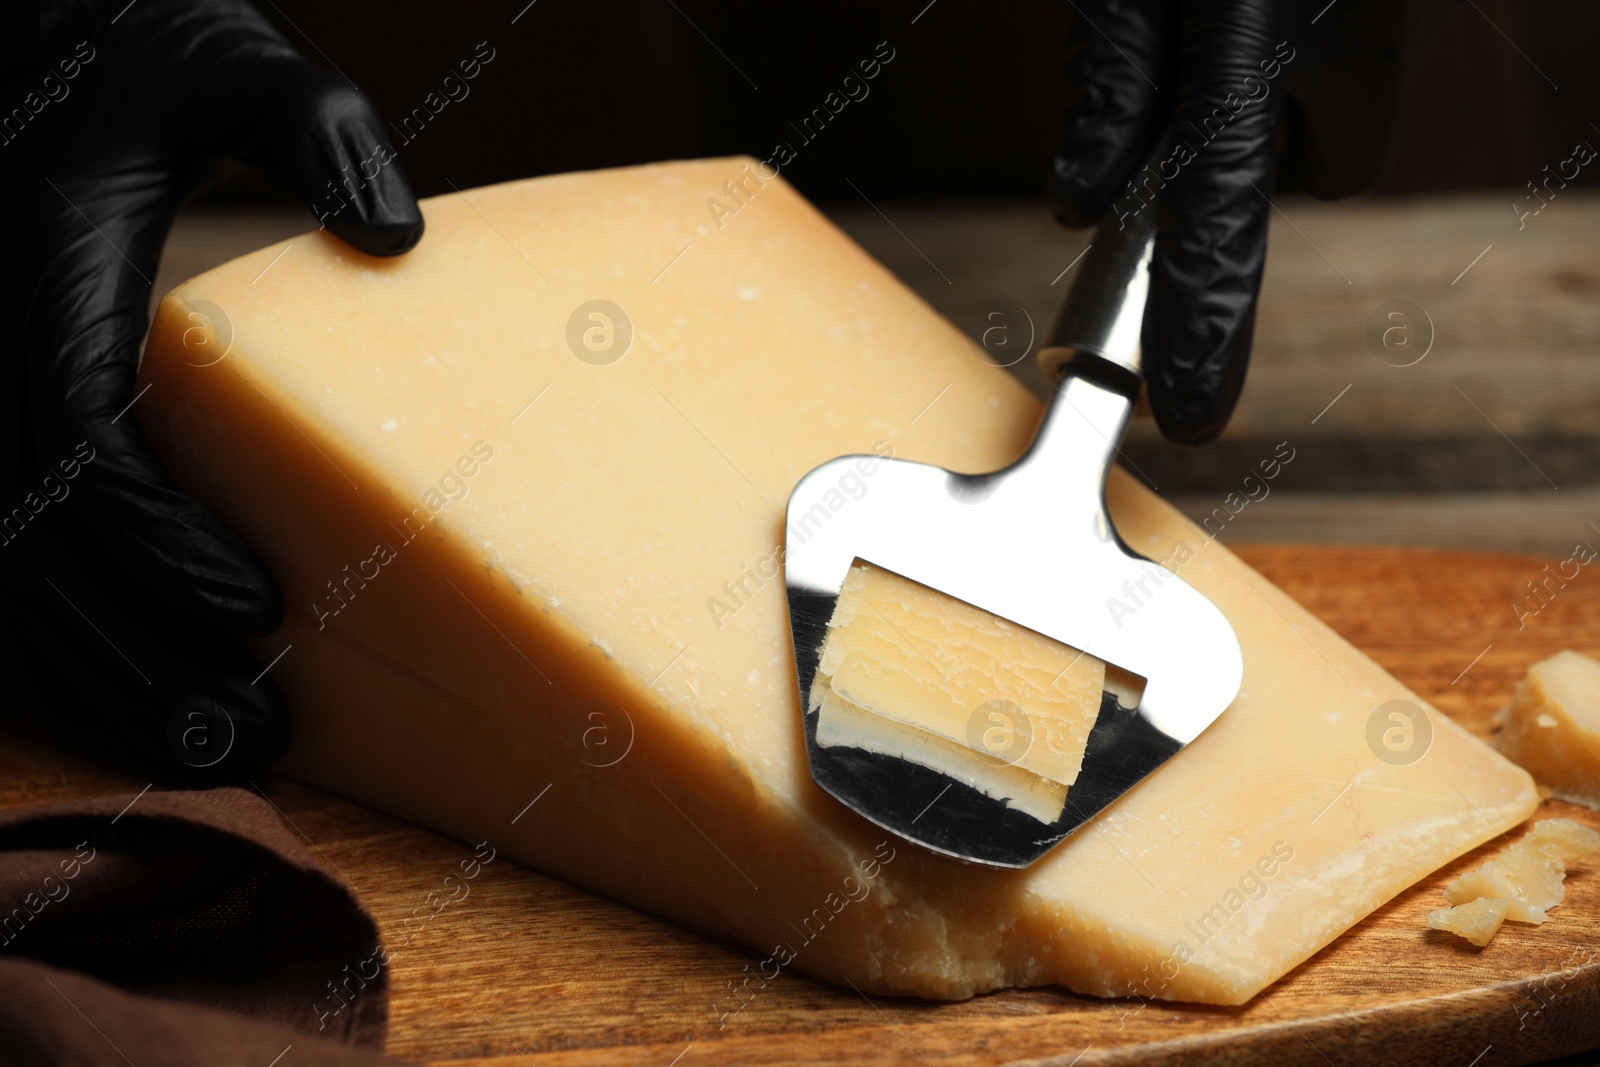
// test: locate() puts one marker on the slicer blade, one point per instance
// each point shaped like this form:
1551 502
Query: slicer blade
1033 544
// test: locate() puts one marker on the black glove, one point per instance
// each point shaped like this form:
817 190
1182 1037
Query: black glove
1214 105
127 594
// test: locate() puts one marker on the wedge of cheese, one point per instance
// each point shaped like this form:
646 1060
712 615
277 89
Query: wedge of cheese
908 672
524 490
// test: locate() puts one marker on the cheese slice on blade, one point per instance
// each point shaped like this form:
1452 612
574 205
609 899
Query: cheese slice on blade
907 671
524 491
843 724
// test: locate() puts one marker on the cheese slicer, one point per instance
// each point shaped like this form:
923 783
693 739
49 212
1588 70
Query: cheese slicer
1033 544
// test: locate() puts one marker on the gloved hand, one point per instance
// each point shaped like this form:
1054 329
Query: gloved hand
1214 105
127 594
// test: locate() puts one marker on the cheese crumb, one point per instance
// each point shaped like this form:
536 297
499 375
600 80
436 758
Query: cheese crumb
1477 921
1552 726
1521 882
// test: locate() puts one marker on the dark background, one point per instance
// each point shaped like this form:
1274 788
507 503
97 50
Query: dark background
968 107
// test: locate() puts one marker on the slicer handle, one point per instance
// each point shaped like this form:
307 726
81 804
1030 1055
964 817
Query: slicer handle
1103 310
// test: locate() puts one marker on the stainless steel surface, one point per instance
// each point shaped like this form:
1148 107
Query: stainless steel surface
1033 544
1104 309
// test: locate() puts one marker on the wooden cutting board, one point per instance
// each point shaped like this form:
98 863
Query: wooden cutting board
530 970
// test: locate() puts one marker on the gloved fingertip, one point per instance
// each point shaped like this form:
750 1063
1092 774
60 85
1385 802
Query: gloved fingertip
228 734
1188 428
378 214
1195 376
393 237
324 140
1197 337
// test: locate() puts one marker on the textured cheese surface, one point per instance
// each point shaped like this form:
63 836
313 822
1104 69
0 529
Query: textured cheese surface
998 692
842 724
1477 921
1552 726
1529 875
516 576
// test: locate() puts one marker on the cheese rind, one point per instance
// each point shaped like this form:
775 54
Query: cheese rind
537 538
1552 726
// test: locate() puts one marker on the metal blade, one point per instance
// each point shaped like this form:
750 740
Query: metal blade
1034 545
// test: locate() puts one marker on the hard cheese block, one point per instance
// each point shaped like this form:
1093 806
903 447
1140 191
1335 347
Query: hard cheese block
524 490
909 672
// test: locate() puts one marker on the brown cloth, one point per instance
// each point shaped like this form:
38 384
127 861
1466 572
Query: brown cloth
185 928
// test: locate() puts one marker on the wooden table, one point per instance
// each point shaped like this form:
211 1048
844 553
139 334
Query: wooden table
530 970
